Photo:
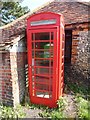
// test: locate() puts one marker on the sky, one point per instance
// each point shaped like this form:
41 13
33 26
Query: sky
33 4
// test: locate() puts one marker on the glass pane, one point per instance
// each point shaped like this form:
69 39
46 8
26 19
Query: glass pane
42 86
44 63
42 79
32 54
43 71
44 94
39 54
52 36
33 45
48 54
33 63
41 36
42 50
43 22
33 36
43 54
41 45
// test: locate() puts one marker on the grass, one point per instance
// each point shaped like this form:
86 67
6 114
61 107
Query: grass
81 94
10 112
83 108
54 113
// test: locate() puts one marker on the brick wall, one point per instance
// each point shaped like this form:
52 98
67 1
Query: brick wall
5 78
80 45
0 78
83 55
12 71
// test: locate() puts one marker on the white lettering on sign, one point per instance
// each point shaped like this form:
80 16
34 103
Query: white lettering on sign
43 22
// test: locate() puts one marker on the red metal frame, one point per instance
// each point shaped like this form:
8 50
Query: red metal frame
55 79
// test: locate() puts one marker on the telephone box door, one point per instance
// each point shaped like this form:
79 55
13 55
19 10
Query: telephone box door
42 66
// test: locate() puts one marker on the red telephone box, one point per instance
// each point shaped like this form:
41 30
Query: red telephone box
45 42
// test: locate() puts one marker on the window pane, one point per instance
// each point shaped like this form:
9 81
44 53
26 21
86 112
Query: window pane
42 79
44 63
44 94
43 71
41 36
43 54
52 35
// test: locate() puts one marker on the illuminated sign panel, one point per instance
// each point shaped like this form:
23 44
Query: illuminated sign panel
43 22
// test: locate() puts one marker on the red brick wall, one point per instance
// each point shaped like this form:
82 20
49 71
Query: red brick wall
5 76
80 43
12 71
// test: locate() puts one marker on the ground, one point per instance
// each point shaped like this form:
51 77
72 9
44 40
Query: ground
32 113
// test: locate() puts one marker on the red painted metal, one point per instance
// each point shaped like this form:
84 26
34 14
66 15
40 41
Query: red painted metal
45 43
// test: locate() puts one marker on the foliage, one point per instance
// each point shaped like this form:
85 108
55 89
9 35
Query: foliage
80 89
62 103
34 106
55 113
10 112
81 98
83 107
11 11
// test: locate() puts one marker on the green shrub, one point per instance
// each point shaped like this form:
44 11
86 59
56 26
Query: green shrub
10 112
55 113
83 107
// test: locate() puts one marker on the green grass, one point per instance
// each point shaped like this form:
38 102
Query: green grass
83 107
55 113
10 112
81 94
